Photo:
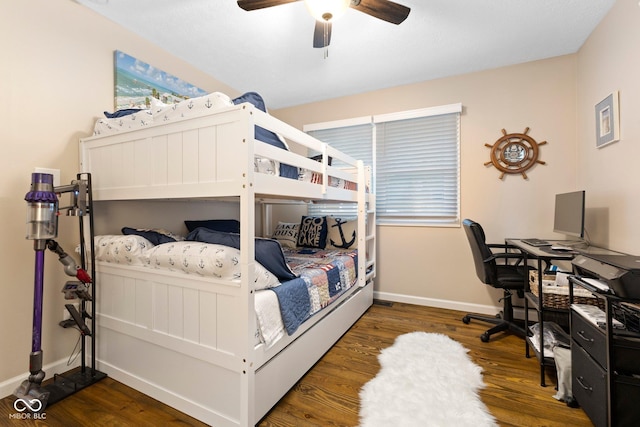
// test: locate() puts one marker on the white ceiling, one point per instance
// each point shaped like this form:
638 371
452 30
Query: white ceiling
270 50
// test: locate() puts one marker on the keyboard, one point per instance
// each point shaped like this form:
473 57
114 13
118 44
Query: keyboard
536 242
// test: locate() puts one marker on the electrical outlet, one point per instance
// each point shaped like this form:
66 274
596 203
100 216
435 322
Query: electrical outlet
65 313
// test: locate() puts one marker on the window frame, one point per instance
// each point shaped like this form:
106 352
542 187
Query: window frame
375 120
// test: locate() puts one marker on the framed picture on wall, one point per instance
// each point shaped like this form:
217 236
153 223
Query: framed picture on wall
607 120
136 82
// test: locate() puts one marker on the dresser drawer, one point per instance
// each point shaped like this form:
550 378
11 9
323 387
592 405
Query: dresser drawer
589 337
626 411
626 352
589 385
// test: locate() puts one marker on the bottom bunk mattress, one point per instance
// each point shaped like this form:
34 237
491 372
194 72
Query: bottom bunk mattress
323 275
319 277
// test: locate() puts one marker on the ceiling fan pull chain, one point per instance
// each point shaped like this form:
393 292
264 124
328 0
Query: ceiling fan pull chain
326 39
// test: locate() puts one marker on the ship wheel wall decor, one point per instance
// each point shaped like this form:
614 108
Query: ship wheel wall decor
514 153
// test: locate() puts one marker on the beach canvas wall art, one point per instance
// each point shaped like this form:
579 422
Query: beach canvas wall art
136 82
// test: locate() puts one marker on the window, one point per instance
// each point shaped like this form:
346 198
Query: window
353 137
415 156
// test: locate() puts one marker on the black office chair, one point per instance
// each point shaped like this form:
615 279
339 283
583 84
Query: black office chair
508 276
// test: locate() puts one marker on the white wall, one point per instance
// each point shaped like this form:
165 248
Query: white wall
56 77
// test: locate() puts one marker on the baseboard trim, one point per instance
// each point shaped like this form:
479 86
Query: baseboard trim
8 386
437 303
490 310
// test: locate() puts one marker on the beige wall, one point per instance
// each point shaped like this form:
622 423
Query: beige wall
607 62
433 265
56 77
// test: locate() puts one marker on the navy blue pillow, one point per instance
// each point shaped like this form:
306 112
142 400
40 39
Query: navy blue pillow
121 113
268 251
318 158
154 237
264 135
313 232
253 98
261 133
224 225
288 171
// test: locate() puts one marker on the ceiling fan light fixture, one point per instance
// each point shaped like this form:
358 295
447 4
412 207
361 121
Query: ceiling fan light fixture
327 10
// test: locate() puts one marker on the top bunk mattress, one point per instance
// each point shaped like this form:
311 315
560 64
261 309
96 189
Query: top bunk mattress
176 151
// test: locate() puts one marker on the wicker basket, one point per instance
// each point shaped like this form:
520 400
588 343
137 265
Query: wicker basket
557 296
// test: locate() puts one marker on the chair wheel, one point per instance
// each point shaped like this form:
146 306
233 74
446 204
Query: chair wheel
466 320
484 337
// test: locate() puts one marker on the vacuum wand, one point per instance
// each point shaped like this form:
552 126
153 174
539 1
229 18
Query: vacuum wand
70 267
73 290
42 224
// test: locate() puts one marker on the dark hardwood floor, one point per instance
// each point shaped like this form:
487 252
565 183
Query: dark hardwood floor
328 394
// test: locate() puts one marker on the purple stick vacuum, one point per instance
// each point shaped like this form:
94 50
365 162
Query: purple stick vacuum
42 224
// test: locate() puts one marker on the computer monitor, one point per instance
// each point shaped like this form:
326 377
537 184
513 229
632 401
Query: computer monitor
569 214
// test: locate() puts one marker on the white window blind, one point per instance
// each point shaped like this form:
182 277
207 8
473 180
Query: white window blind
417 174
415 156
354 140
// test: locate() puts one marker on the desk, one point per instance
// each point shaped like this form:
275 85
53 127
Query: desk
545 254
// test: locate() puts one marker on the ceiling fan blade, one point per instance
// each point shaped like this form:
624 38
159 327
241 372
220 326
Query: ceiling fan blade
319 39
382 9
261 4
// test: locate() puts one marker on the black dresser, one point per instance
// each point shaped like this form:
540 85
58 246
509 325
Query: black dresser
605 345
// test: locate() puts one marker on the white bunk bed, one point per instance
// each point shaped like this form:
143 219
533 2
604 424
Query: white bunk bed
189 341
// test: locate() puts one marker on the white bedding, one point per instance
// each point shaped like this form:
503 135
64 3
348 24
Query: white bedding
160 112
270 325
189 108
134 121
203 259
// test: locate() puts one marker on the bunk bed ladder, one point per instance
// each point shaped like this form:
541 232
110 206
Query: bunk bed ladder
370 240
366 228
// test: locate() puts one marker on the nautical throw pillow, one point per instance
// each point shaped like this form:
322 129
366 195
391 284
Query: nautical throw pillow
313 232
224 225
131 249
121 113
267 136
207 260
287 234
342 232
155 236
268 252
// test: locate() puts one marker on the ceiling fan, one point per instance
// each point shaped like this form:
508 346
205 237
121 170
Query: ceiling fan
325 11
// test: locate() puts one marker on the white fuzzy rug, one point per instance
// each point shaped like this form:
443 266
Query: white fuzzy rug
425 380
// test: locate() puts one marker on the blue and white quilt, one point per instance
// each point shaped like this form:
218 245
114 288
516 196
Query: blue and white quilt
323 276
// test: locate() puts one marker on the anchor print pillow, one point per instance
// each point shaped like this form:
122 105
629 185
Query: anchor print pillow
207 260
342 232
